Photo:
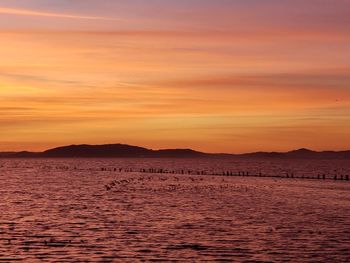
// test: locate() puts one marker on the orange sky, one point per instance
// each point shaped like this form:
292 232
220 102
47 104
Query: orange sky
213 75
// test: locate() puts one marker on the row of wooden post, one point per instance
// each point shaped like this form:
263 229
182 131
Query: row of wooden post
229 173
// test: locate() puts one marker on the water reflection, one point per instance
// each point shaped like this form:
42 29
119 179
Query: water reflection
60 210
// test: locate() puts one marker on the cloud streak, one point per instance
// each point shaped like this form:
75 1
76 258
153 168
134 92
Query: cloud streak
215 75
26 12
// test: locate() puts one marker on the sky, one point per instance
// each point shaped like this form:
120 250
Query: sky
213 75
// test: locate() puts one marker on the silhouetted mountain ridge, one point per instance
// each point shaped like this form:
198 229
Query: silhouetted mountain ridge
107 150
129 151
117 150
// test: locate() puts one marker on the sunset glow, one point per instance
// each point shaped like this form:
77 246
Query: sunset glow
212 75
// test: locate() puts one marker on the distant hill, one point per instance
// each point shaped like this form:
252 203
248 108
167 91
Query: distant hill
117 150
108 150
300 154
179 153
129 151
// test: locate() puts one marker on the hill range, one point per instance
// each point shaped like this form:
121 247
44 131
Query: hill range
129 151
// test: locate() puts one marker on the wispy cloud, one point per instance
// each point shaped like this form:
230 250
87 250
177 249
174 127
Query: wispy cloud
27 12
222 75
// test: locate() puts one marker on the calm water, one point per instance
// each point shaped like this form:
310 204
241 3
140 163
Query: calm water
60 211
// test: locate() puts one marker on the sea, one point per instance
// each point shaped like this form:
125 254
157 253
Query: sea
177 210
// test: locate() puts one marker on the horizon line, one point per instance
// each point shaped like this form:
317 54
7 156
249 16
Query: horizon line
177 148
